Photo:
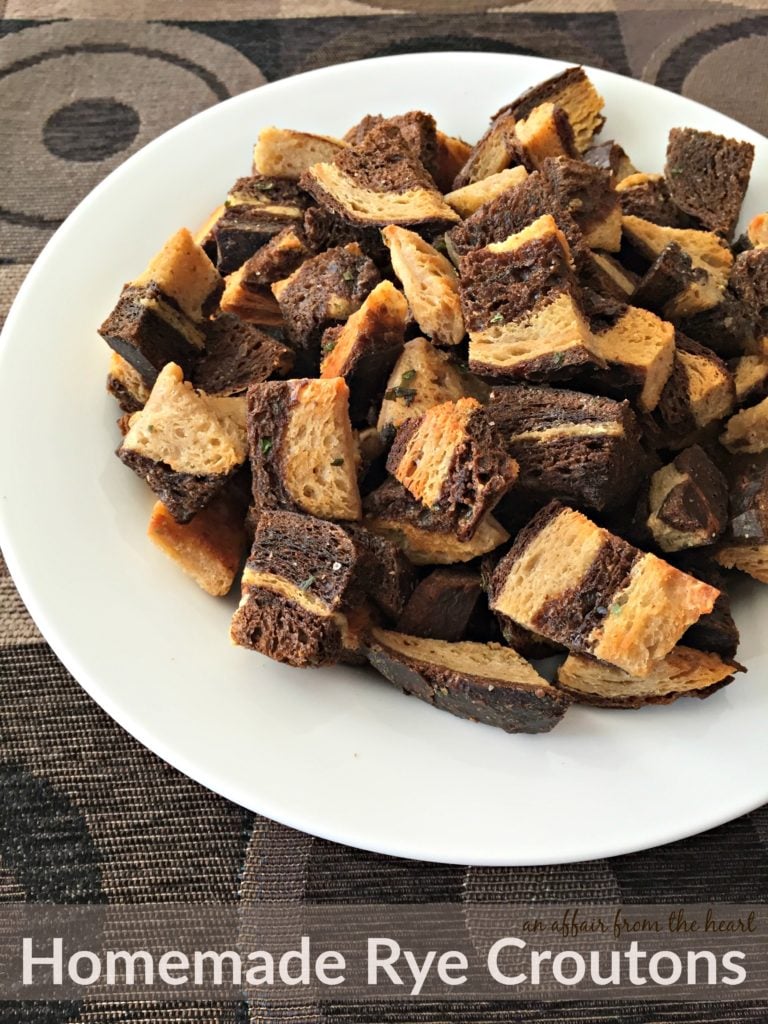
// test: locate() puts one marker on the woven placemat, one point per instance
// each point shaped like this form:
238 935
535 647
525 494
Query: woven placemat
86 813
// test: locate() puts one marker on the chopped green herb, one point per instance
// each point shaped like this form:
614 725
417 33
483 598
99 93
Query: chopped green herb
616 608
497 318
329 346
408 375
348 275
338 462
676 171
407 394
150 427
266 445
307 583
557 359
462 367
264 186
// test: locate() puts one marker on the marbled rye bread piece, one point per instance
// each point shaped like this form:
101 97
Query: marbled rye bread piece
277 258
544 134
365 348
698 394
157 319
442 605
496 151
256 209
745 545
638 349
688 502
707 176
387 577
126 385
303 453
647 196
579 585
581 449
469 198
588 193
451 460
451 155
300 581
185 444
684 672
711 261
716 631
430 285
237 354
610 156
522 307
667 278
283 153
378 182
417 128
426 536
574 93
485 683
422 377
323 292
750 378
746 432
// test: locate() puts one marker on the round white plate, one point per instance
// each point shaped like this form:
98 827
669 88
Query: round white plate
337 752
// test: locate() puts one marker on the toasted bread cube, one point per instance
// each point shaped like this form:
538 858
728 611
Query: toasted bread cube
684 672
323 292
511 212
256 209
688 502
126 385
186 444
578 448
709 255
210 547
388 578
708 176
749 282
749 558
430 285
589 194
522 309
283 153
482 682
450 458
610 157
698 393
546 132
609 277
579 585
421 378
647 196
756 235
750 375
471 197
364 350
237 354
715 632
450 156
277 258
427 536
301 580
748 491
575 94
378 182
667 278
639 351
747 431
417 128
303 453
158 315
497 150
442 605
249 301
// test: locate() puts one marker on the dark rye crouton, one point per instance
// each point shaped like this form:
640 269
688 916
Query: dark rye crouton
579 585
698 394
387 577
301 581
442 605
497 150
185 444
450 459
237 354
684 672
427 536
574 93
716 631
708 175
589 196
647 196
670 274
278 258
417 128
378 182
365 348
486 683
303 453
687 502
582 449
323 292
159 314
609 156
256 209
522 307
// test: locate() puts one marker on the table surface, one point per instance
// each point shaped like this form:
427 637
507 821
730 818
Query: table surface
86 813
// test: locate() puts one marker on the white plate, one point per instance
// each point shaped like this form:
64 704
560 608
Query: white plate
337 753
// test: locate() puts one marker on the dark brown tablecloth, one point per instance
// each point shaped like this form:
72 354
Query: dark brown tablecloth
86 813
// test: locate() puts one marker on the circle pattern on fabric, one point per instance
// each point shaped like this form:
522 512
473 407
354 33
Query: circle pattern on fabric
89 130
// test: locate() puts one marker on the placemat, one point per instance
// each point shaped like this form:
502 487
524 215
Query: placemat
86 813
